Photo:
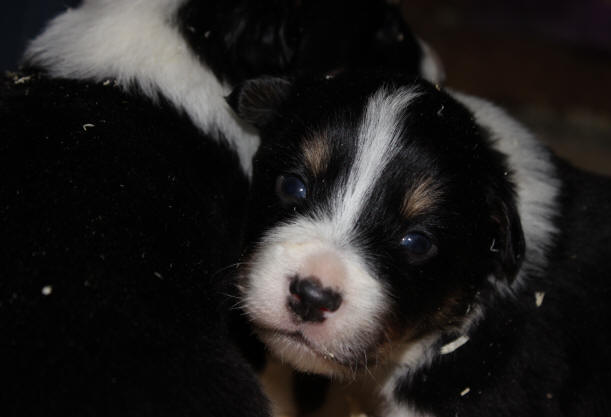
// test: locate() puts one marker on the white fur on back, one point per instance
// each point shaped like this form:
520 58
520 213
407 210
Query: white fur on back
137 43
532 172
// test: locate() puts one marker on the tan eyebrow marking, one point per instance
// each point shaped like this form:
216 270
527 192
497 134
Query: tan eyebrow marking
423 195
317 154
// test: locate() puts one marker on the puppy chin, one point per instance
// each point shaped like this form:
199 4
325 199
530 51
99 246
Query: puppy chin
302 355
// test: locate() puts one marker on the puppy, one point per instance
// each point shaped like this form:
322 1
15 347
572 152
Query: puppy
124 178
423 246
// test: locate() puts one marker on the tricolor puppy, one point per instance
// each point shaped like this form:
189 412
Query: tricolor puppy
423 242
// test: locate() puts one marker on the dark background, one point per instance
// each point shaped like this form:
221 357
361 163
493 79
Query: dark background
547 61
21 20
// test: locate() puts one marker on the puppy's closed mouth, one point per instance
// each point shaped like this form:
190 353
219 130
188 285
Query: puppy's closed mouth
297 337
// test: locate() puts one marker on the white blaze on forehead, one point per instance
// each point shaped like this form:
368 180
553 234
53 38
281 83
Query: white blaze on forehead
378 141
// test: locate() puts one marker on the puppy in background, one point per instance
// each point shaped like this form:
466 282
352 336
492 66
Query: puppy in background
421 247
124 181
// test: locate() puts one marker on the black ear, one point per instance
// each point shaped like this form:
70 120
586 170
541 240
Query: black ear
507 245
257 101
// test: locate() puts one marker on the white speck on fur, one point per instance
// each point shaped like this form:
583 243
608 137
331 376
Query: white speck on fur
465 391
47 290
452 346
539 295
87 126
23 80
137 43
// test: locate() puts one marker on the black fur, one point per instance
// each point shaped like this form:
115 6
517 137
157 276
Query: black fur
521 359
241 39
122 222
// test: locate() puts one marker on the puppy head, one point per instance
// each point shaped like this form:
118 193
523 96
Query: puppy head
240 39
379 212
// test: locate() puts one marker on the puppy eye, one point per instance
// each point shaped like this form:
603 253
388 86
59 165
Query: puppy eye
418 244
290 189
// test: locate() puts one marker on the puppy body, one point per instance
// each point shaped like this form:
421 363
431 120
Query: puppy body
468 260
114 249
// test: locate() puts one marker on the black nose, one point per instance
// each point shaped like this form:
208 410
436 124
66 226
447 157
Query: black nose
310 300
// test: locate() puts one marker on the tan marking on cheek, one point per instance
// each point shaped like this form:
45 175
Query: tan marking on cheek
317 154
420 197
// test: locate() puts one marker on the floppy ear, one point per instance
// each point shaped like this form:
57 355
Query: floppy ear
508 244
257 101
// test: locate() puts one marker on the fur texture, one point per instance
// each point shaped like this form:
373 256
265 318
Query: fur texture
115 248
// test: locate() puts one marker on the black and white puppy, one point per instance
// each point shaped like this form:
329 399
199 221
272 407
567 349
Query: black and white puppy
190 53
124 178
421 244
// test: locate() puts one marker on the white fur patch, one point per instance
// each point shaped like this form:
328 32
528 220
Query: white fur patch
539 296
453 345
535 178
137 43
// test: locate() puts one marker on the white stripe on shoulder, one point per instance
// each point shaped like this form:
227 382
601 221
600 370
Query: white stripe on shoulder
534 174
137 43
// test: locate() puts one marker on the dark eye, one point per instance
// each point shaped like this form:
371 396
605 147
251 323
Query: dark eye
418 244
290 188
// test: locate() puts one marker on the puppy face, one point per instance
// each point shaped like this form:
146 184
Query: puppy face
379 212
